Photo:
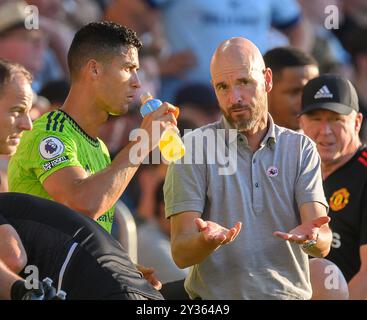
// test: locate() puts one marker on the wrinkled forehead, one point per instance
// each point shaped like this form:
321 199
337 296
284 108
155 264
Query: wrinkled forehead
21 86
17 91
235 58
236 71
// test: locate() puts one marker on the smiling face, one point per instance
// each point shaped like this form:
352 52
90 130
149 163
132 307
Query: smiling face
15 104
118 82
335 135
241 82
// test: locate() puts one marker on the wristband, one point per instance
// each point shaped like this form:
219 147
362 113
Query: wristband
309 244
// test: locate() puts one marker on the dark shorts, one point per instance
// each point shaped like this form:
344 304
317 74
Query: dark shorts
87 279
79 256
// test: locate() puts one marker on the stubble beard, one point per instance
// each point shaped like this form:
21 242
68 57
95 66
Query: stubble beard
244 125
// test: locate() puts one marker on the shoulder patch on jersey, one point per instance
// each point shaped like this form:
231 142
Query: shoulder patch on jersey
51 147
53 163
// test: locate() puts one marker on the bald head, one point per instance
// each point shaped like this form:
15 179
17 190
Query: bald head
235 52
241 83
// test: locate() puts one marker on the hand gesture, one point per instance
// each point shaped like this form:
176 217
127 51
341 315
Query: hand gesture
215 234
308 230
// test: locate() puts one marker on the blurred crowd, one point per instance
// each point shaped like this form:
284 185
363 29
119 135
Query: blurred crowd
179 37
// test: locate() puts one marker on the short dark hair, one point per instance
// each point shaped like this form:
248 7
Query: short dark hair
284 57
8 70
100 41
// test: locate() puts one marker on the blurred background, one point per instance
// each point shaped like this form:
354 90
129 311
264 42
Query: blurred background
179 38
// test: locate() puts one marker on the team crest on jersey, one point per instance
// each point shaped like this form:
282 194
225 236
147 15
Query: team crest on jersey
51 147
339 199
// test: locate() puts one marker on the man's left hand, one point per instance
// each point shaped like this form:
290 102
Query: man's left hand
304 232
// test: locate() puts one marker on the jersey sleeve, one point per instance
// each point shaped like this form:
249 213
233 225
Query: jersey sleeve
52 152
285 13
309 186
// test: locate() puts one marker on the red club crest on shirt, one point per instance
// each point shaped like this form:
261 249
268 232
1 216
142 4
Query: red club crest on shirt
339 199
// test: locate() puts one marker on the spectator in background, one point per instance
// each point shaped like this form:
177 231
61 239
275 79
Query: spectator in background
154 248
358 50
331 118
197 104
149 177
192 29
60 19
326 47
55 92
353 17
133 14
14 112
40 106
17 44
15 104
291 69
213 21
70 14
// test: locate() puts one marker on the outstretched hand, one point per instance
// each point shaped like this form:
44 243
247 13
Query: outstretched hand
215 234
304 232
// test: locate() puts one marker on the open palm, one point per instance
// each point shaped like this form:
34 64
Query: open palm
216 234
308 230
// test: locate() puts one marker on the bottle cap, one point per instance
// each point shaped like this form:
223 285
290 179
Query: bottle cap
144 97
175 112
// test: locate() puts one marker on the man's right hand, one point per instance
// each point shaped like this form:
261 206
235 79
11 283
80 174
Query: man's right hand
216 235
193 239
161 119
